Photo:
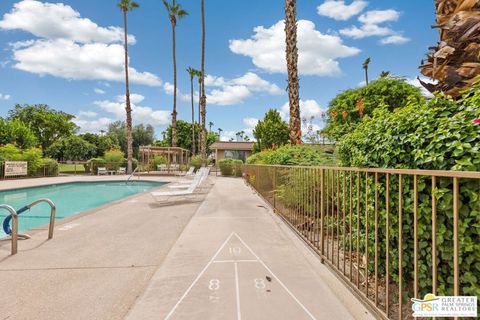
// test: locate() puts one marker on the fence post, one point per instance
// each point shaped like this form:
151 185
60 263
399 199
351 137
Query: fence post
274 186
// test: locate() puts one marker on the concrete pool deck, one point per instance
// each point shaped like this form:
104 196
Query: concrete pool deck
224 256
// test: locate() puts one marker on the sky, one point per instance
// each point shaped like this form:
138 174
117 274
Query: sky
69 55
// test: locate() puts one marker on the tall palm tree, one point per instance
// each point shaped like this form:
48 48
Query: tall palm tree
203 98
192 72
219 133
126 6
454 62
292 68
365 65
175 12
199 75
210 125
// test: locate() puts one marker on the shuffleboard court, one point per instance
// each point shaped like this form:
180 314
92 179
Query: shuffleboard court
237 284
236 260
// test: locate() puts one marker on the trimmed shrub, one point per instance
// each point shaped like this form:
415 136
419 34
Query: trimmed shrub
196 162
231 167
157 160
114 159
303 155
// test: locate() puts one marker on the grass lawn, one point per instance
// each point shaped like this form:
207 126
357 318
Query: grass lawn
69 168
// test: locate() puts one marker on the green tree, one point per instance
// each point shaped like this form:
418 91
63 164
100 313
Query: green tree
16 132
47 124
175 12
348 108
270 132
141 135
185 136
126 6
102 143
71 148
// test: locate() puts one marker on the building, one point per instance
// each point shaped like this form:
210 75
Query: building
231 150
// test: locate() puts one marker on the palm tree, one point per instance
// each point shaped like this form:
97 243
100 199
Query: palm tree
192 72
292 68
175 12
365 67
199 75
203 98
210 125
219 133
454 61
385 74
126 6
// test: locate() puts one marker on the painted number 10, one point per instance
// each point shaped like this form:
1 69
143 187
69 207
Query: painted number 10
235 251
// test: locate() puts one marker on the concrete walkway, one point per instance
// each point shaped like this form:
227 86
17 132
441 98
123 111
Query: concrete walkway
226 256
236 260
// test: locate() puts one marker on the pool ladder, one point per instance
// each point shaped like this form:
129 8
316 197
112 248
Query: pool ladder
14 217
131 176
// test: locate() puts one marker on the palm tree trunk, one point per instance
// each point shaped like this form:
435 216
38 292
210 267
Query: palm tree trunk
174 113
193 116
366 76
199 114
292 68
203 100
128 107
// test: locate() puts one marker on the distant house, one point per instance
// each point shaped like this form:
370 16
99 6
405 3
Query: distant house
231 150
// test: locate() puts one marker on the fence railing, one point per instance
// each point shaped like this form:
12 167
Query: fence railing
47 170
389 234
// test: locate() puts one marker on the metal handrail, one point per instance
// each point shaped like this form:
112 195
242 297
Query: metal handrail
14 235
14 216
130 177
53 210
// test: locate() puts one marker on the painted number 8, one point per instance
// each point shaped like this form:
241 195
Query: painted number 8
259 283
214 284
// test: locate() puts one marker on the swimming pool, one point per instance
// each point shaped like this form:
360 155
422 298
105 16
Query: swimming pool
69 198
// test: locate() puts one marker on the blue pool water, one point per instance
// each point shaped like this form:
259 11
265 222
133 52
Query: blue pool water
69 198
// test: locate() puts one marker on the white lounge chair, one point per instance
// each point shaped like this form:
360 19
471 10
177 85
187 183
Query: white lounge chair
197 179
122 170
162 196
102 171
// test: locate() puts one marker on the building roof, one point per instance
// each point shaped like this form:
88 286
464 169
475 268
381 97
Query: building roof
234 145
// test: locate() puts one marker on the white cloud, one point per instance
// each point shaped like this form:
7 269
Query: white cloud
395 39
140 114
58 21
371 26
308 109
338 10
250 122
4 96
366 30
68 46
96 125
70 60
99 91
224 92
228 95
318 52
87 114
379 16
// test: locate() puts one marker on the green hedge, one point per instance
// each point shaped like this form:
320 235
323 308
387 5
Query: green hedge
231 167
438 135
303 155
